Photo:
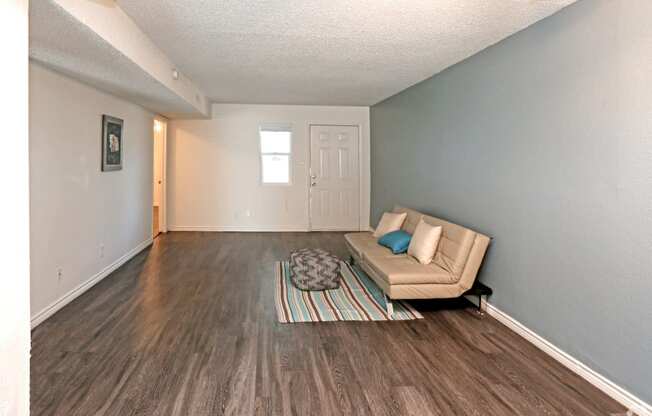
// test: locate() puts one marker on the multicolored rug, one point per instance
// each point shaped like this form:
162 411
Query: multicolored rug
357 299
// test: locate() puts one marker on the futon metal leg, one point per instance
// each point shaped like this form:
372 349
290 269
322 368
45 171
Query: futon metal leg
390 306
351 260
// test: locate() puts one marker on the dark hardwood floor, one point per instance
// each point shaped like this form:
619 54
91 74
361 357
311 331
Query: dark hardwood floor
188 327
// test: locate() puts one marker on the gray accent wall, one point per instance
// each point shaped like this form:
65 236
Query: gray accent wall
544 141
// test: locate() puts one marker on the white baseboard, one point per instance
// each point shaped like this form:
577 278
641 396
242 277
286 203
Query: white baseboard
610 388
76 292
249 228
338 229
236 228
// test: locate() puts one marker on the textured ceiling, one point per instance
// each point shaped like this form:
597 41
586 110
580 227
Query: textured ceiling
59 41
353 52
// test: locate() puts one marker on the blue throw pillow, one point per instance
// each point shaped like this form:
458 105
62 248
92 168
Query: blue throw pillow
397 241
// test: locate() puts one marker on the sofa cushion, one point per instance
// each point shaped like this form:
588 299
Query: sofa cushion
353 245
390 221
424 242
404 270
358 241
380 252
364 244
397 241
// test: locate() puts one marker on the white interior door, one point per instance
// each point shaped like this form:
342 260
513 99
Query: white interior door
334 178
158 168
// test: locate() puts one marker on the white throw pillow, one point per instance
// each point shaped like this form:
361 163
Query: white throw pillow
389 222
424 242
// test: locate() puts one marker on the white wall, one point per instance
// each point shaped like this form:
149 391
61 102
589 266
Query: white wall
83 220
214 168
14 210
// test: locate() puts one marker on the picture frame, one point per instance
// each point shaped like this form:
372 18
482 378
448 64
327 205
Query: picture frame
112 143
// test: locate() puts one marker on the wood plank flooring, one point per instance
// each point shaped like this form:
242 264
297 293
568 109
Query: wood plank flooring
188 327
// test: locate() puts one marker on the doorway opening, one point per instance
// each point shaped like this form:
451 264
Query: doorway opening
159 224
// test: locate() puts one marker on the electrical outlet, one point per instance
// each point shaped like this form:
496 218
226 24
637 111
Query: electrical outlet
248 213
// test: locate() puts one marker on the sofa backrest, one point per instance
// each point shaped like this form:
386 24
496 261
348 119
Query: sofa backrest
413 218
455 247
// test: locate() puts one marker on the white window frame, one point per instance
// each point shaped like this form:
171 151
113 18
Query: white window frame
278 128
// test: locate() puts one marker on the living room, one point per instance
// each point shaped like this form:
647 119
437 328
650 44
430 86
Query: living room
267 207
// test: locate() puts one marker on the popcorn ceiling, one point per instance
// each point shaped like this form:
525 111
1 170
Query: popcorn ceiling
335 52
346 52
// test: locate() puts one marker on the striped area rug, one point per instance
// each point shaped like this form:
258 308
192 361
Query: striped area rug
357 299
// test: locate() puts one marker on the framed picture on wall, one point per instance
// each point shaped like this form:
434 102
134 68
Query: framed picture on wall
111 143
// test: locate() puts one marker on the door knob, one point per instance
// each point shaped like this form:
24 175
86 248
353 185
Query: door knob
313 177
313 183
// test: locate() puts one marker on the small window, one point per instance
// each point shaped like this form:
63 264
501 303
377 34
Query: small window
275 155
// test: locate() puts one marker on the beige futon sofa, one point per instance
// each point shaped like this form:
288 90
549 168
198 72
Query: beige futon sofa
452 272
